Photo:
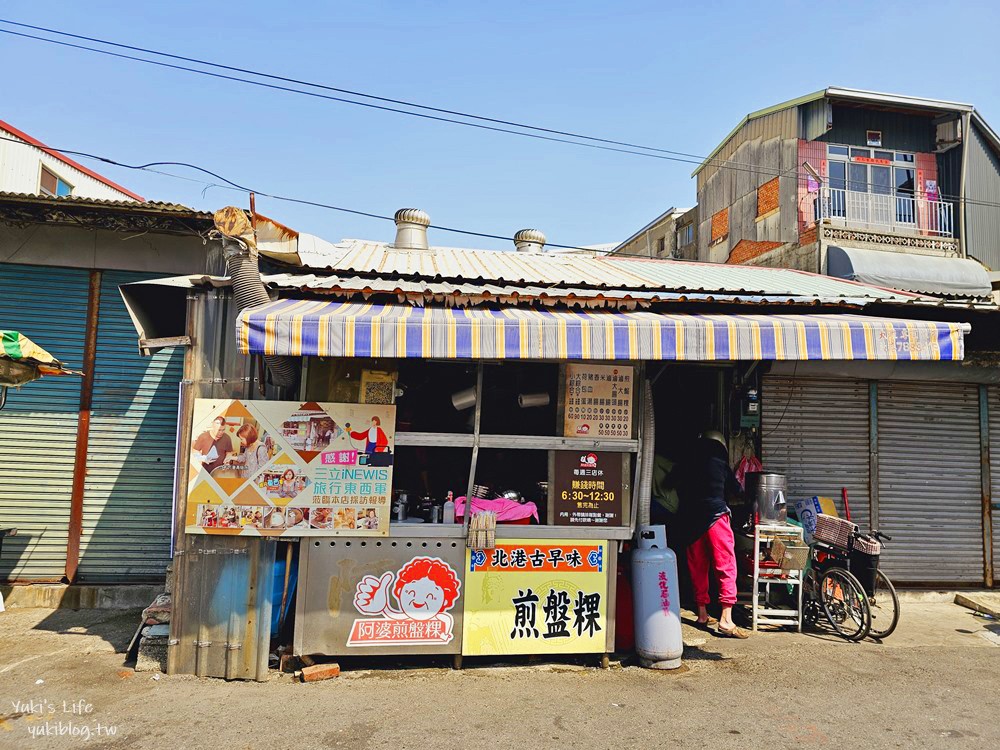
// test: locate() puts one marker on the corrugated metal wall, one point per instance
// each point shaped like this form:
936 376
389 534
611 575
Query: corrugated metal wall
899 131
982 222
994 407
39 424
816 433
929 481
130 460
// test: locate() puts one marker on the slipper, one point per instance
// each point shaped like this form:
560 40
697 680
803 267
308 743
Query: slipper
735 632
711 622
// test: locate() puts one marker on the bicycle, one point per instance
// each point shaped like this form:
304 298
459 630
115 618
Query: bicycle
830 586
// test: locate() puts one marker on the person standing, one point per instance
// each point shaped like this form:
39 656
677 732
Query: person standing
711 482
212 446
374 437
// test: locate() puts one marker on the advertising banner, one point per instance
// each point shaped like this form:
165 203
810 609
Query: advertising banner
598 401
272 468
588 488
536 596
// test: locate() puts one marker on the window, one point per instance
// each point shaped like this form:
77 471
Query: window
52 185
685 235
767 197
720 225
661 247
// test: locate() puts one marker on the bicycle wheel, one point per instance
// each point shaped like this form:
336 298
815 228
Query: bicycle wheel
884 606
845 604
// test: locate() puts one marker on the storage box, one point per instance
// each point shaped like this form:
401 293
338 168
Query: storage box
807 510
788 554
835 531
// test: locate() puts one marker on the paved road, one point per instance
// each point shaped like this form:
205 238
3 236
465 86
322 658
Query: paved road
932 685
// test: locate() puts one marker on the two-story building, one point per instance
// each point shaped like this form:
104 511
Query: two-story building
898 192
843 181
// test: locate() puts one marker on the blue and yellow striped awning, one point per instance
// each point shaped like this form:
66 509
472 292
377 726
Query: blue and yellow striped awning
349 329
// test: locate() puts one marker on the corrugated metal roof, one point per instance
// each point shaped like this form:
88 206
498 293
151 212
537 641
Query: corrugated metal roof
615 274
131 206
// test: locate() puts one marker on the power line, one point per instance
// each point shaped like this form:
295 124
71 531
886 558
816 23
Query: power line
597 143
242 188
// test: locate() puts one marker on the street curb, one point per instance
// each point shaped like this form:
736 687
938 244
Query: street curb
62 596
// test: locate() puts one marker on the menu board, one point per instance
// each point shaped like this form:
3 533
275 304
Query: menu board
598 401
273 468
588 488
536 596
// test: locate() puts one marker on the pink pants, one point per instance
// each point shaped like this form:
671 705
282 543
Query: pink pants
717 543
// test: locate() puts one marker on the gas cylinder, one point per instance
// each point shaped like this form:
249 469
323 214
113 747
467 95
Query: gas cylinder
655 594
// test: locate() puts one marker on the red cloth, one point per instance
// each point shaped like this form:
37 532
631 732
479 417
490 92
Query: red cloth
506 510
718 545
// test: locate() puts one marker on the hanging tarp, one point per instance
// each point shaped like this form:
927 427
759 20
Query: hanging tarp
22 360
344 329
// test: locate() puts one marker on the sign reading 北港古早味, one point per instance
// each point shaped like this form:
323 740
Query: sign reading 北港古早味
536 596
273 468
598 401
588 488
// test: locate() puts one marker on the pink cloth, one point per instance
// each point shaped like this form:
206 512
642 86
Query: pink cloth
715 544
506 510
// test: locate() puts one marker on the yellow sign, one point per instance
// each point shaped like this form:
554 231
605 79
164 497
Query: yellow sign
598 401
272 468
536 596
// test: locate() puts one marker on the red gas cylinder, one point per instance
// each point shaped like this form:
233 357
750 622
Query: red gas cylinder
624 616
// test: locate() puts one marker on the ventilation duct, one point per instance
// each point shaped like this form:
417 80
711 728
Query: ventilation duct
411 229
240 250
529 241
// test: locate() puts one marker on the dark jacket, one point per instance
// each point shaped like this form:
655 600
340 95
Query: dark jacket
709 482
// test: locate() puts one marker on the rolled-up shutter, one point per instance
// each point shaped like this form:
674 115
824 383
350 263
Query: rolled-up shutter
38 426
929 482
815 431
130 457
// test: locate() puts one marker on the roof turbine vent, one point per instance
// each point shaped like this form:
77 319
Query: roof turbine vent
411 229
529 241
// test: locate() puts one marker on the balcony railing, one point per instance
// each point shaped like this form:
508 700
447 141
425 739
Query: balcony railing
885 212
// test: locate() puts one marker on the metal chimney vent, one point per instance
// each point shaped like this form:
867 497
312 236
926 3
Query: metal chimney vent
529 241
411 229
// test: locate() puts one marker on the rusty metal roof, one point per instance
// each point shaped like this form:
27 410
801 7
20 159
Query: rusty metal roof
464 271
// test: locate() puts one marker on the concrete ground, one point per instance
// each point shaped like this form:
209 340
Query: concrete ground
932 684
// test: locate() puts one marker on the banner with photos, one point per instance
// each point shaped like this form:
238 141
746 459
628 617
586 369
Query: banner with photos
273 468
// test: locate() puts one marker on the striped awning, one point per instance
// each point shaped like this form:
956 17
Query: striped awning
349 329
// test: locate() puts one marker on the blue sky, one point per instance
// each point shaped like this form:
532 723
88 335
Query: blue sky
676 76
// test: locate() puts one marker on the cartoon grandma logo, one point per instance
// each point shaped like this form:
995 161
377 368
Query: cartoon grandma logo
424 590
588 461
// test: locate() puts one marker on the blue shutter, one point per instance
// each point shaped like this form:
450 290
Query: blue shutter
39 424
130 460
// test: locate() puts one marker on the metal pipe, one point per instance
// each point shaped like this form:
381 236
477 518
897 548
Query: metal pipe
75 531
966 123
648 449
475 450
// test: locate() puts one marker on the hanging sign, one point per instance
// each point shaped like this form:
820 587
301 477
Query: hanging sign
273 468
588 488
598 401
536 596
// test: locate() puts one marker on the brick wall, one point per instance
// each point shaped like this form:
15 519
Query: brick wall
767 197
720 225
748 250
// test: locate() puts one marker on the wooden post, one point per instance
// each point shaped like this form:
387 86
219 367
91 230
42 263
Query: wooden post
83 429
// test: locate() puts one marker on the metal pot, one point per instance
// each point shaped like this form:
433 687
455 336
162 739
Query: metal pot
768 491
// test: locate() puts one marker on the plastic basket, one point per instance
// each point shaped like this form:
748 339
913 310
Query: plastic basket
835 531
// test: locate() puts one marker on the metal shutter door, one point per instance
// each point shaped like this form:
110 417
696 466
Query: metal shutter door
929 481
38 426
130 459
815 432
994 406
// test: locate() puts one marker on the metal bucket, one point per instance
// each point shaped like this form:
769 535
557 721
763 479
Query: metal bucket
768 492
